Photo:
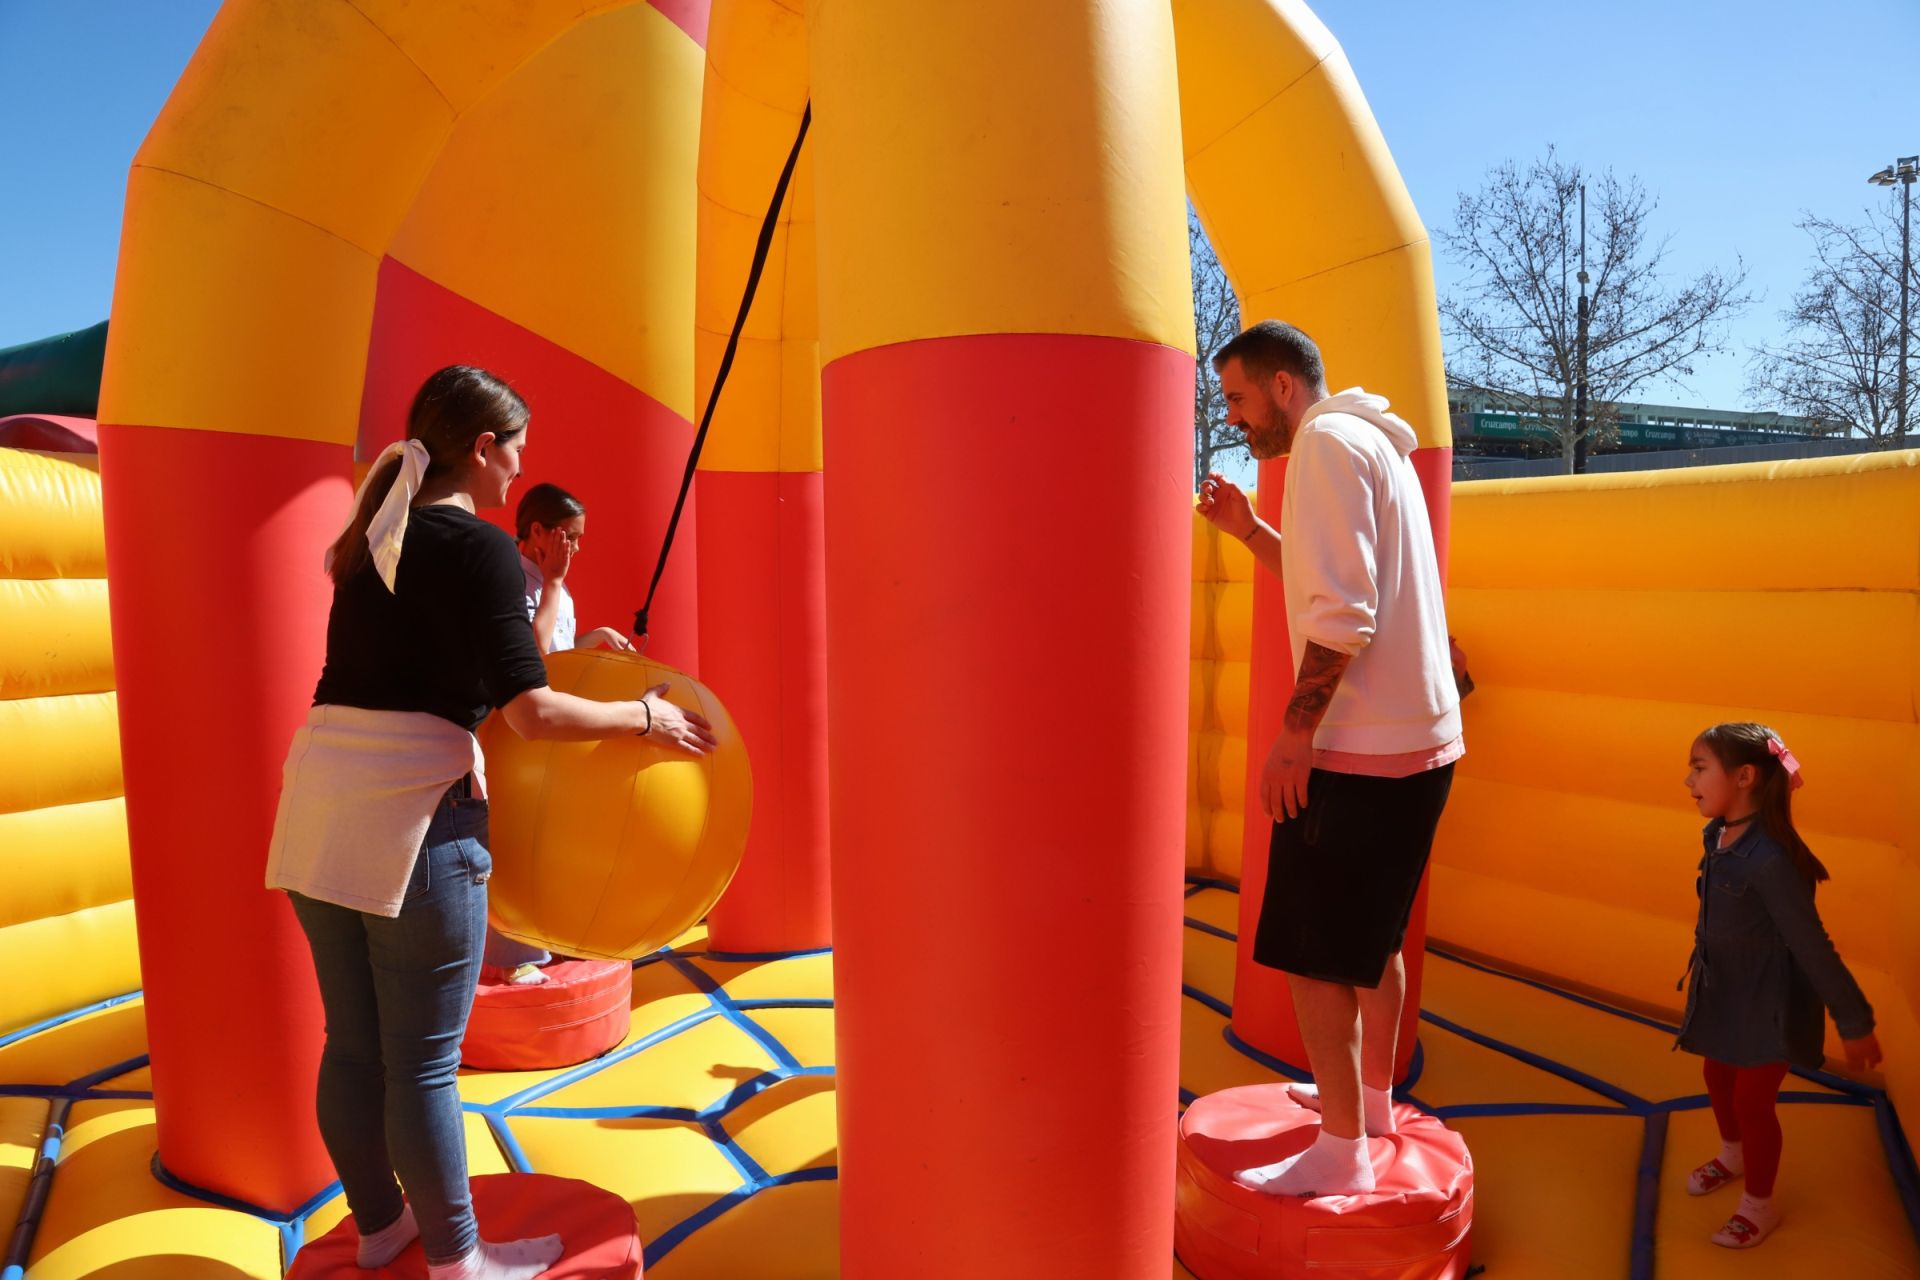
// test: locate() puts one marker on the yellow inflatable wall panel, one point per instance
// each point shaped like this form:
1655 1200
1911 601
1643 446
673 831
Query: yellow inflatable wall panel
1602 634
75 960
62 750
50 525
66 921
64 858
1223 620
1222 641
1765 526
55 640
77 1046
1609 619
1630 750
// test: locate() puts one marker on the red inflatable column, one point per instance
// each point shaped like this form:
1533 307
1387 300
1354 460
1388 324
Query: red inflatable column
219 611
1006 323
763 638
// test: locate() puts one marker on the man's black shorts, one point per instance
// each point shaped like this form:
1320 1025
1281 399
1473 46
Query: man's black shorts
1342 876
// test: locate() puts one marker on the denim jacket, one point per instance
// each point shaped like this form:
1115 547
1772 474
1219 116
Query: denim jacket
1763 971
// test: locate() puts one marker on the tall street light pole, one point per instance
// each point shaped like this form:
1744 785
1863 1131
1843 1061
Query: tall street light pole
1902 172
1580 355
1579 386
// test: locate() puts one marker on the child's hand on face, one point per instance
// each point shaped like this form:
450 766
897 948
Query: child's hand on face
1864 1053
553 552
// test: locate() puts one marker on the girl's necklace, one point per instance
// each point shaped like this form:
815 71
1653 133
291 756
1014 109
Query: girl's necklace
1728 824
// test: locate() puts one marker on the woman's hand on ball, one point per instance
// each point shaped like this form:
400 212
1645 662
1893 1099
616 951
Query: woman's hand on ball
674 727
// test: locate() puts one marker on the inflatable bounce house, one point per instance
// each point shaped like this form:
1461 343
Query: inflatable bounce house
978 999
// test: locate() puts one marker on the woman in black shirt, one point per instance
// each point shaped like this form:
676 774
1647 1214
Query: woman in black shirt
381 837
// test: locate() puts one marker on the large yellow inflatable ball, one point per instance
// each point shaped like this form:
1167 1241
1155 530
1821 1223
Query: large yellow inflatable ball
611 849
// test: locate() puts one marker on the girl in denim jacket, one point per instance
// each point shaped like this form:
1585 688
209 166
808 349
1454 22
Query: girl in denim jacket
1763 973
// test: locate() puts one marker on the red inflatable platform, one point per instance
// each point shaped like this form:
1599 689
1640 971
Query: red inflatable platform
595 1226
582 1010
1415 1225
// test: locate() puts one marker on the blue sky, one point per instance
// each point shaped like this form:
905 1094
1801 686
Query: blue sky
83 81
1738 116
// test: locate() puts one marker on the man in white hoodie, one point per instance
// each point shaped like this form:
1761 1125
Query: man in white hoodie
1358 777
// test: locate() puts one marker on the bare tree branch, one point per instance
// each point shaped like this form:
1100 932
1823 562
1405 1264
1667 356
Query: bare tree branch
1513 325
1216 319
1839 361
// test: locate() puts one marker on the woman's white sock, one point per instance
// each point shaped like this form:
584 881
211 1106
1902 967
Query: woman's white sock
514 1260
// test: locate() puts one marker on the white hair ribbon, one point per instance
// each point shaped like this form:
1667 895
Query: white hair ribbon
388 529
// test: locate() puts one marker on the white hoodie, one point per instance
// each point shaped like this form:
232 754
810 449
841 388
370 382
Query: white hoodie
1361 578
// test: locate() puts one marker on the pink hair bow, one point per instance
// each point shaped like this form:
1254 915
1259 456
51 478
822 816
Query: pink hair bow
1787 762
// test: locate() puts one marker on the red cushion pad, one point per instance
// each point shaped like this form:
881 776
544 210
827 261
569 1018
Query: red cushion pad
1414 1225
595 1226
582 1010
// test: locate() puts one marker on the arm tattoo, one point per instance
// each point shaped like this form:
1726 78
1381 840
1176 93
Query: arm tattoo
1320 672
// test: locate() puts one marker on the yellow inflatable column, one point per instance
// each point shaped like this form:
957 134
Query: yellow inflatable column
257 213
763 624
1301 199
1002 257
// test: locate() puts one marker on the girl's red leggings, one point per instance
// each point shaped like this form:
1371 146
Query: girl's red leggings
1743 1104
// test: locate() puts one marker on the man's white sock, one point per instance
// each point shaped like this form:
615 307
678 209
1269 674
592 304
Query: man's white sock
1376 1106
1330 1167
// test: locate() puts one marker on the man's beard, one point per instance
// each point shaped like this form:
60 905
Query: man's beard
1271 441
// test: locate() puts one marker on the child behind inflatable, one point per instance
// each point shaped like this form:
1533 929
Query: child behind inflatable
550 524
1763 972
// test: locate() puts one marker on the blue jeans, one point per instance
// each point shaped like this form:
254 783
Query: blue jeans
510 953
396 994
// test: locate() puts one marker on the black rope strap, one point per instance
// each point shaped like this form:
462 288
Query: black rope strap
760 252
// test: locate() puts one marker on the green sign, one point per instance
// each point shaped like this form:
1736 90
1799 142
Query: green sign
1507 426
1510 426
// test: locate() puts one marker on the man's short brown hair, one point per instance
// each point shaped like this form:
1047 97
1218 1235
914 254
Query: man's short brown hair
1270 347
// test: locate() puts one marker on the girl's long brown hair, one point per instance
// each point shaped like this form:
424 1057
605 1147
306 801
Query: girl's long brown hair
452 409
1741 743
